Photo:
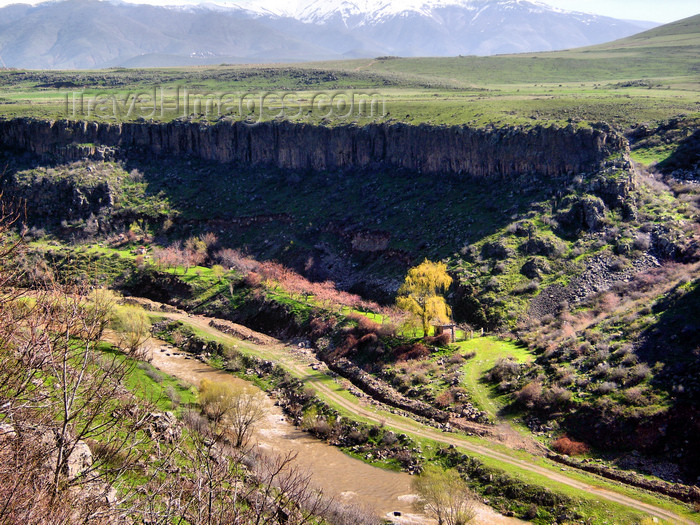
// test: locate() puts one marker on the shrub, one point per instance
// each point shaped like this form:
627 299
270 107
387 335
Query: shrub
357 437
342 513
557 397
530 395
195 421
606 387
252 280
153 375
633 396
420 379
173 395
456 359
499 268
618 374
531 512
320 429
368 340
410 352
569 447
443 339
600 356
504 370
565 378
111 453
629 359
389 438
526 287
608 302
639 373
445 399
320 327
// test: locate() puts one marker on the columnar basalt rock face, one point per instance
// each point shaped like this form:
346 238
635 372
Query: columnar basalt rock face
548 151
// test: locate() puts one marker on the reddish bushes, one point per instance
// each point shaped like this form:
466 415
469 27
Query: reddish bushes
365 324
366 336
408 352
566 445
368 339
252 280
319 327
231 258
325 292
439 340
445 399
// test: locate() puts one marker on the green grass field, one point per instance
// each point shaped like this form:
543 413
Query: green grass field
488 350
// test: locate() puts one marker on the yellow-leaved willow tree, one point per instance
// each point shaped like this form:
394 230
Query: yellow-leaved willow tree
421 293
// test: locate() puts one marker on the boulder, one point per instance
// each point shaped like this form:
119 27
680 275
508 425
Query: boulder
79 460
535 267
586 213
164 426
7 432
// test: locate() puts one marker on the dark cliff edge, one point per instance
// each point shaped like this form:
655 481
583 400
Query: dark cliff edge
547 151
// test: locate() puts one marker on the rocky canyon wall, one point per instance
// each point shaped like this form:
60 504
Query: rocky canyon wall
548 151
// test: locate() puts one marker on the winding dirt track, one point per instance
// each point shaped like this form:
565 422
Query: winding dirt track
295 363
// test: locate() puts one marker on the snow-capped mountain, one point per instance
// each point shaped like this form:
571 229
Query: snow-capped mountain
377 11
94 33
450 27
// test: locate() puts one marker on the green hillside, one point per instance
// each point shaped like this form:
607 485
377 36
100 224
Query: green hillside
667 51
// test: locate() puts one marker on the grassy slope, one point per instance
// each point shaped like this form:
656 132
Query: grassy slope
488 350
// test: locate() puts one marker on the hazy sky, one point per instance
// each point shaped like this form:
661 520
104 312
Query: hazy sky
654 10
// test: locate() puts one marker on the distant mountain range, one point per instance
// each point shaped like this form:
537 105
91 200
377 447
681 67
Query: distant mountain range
80 34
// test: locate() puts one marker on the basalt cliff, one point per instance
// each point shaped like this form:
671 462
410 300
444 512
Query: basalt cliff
547 151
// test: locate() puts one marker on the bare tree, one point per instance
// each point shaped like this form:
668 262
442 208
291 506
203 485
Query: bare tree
285 493
216 491
60 392
132 327
237 409
444 496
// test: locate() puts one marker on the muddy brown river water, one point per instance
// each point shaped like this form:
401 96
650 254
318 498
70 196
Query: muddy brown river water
340 475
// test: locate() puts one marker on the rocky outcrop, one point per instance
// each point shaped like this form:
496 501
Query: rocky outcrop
535 267
55 199
384 393
588 212
546 151
164 427
242 332
79 461
600 275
